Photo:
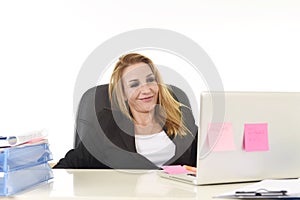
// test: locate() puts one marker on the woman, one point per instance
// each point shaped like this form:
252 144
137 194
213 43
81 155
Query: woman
144 128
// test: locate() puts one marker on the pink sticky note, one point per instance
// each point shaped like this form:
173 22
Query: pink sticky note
220 136
256 137
175 169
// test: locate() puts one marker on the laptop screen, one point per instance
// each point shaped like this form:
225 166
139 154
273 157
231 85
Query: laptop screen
248 136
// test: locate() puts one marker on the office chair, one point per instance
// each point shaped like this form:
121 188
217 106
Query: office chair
96 98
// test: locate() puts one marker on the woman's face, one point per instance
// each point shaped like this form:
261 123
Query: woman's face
140 87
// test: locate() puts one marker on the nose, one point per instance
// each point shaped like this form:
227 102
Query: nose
145 89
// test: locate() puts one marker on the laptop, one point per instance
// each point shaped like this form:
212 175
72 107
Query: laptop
246 136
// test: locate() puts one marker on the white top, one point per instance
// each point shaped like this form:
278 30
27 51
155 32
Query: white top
158 147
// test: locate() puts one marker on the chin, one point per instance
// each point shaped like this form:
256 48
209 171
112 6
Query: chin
146 109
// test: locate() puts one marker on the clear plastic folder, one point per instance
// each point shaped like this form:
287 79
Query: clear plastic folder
22 167
19 157
267 189
19 180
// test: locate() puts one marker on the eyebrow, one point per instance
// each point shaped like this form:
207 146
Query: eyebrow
133 80
150 75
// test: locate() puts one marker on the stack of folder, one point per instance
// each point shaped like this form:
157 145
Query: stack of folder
24 166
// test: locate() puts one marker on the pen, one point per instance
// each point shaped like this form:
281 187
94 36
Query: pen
261 192
190 168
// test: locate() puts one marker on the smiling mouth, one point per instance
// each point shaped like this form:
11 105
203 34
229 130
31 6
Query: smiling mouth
146 98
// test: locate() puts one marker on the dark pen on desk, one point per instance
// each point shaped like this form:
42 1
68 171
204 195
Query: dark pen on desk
261 192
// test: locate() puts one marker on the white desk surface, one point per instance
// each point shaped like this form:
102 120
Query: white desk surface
118 184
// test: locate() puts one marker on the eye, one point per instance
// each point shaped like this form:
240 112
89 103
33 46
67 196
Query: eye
150 80
134 84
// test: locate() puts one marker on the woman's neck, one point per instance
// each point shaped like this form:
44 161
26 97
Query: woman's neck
145 124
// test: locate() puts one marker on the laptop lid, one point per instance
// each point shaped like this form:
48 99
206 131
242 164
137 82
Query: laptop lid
248 136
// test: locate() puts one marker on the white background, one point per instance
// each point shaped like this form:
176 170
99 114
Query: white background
254 44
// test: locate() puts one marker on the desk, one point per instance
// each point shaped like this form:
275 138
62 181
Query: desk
118 184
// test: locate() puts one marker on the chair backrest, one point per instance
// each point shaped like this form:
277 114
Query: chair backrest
96 98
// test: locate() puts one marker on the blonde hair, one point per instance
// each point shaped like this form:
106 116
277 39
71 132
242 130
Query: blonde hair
170 116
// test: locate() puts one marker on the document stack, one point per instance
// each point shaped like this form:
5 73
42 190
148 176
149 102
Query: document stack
24 162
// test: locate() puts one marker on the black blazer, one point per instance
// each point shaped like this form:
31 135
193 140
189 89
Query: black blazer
110 143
